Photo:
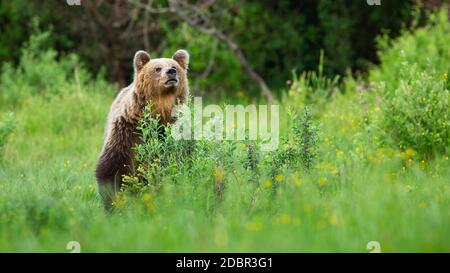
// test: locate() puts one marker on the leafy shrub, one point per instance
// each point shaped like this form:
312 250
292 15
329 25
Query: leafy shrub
41 72
417 114
298 150
413 84
161 157
306 138
425 47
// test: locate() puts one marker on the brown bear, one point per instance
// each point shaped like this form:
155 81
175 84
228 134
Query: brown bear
162 81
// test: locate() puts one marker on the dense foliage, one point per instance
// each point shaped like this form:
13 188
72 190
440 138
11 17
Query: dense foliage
276 37
414 87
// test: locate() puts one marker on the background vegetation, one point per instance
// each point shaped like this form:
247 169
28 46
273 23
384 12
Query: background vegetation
363 156
275 36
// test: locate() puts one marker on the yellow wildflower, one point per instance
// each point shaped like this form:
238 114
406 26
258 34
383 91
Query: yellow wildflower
218 174
307 208
285 219
360 150
339 153
253 225
333 219
296 181
267 184
279 178
147 197
422 164
409 153
322 181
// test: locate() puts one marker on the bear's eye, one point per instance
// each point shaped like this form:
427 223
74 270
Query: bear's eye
158 69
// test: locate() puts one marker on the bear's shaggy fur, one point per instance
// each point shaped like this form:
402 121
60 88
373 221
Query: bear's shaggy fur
162 81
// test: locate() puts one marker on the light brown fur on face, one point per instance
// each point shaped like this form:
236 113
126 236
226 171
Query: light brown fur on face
163 82
151 84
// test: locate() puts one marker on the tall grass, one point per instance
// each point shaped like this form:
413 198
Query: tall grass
335 184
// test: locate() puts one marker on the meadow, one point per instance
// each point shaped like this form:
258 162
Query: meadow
368 161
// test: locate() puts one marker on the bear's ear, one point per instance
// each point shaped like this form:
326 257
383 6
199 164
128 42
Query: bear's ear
182 58
140 59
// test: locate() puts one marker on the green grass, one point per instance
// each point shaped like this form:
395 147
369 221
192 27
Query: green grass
363 186
48 196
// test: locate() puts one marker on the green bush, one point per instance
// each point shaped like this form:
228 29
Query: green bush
412 81
159 155
299 150
417 114
42 72
162 158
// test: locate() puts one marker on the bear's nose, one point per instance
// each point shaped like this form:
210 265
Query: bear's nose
172 72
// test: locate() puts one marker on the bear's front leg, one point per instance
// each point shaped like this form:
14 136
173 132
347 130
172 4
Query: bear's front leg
115 160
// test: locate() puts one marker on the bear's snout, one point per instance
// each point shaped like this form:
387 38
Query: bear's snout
172 77
172 72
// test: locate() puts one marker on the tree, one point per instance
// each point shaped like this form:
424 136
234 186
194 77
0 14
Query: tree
206 19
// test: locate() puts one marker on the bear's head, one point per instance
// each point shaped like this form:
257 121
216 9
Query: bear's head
162 81
163 77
